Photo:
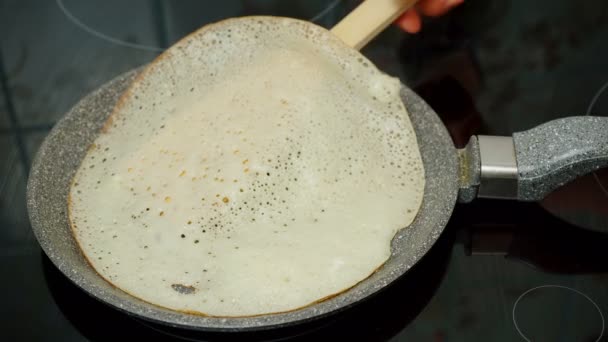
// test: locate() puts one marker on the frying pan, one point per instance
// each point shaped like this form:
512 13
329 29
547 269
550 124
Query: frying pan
526 166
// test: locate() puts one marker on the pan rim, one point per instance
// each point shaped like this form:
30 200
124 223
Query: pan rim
424 121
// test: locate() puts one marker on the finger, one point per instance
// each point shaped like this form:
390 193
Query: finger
409 21
435 8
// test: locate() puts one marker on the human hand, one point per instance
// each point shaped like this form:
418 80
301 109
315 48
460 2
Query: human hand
411 22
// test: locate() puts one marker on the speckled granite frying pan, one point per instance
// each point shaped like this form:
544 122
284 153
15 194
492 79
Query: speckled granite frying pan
526 167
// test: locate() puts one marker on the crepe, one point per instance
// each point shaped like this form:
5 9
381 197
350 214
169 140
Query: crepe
257 166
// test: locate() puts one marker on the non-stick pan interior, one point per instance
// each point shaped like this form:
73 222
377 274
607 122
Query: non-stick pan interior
62 151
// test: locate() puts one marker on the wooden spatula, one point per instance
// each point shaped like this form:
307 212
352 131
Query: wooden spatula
369 19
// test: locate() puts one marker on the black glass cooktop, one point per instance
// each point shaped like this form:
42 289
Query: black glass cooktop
502 271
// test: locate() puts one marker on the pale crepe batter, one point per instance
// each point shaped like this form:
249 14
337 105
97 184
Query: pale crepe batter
257 166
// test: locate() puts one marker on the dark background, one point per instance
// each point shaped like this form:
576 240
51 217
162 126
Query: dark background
491 66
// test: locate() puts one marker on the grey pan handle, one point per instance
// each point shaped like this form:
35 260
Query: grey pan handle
531 164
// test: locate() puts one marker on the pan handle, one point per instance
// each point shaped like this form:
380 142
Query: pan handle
532 163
